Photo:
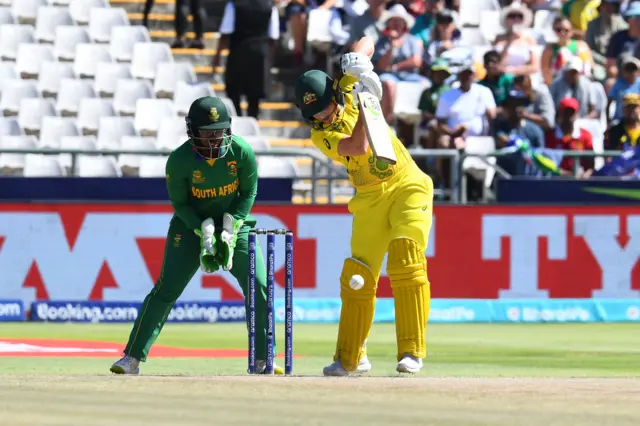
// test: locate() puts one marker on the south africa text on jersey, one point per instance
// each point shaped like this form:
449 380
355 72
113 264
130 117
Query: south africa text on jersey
220 191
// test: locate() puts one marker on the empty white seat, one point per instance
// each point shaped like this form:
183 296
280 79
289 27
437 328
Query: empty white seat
48 19
470 11
318 31
13 92
6 17
96 166
54 128
127 94
152 166
147 56
168 74
59 2
41 165
15 161
32 110
90 112
407 100
277 167
88 56
84 143
185 94
11 36
172 133
66 39
111 130
490 25
231 108
51 74
477 166
134 143
26 10
150 113
123 38
108 74
80 9
70 94
258 142
245 126
30 56
10 127
101 20
7 72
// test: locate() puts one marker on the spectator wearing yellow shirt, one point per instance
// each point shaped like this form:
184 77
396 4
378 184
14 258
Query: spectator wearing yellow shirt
580 13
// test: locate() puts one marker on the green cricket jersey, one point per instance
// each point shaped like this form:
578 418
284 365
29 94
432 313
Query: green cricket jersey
199 188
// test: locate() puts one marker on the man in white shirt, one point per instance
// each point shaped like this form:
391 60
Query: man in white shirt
464 111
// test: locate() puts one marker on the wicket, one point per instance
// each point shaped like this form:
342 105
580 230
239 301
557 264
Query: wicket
288 298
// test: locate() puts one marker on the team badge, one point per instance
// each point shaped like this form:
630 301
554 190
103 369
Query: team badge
309 98
197 177
233 168
176 240
213 114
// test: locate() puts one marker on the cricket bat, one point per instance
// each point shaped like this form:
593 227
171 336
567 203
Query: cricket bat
377 128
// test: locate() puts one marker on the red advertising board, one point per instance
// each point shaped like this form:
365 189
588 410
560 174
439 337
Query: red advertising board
114 252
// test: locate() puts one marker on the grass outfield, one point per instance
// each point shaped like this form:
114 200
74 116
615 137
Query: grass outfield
475 374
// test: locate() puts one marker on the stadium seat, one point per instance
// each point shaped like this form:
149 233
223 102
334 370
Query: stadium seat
473 37
32 110
150 113
490 25
129 164
42 165
10 163
172 133
108 74
147 56
168 74
245 126
54 128
186 93
26 11
9 127
111 130
318 32
59 2
11 36
90 112
13 91
96 166
84 143
7 72
596 129
277 167
6 17
66 40
29 58
471 11
88 56
407 99
231 108
480 169
80 9
258 142
71 92
124 37
48 19
51 74
152 166
101 20
127 94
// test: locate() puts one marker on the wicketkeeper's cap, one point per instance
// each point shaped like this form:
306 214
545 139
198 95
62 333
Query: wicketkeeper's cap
209 113
313 92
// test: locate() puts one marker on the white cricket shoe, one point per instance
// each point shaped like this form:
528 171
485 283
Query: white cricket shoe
409 364
126 365
336 369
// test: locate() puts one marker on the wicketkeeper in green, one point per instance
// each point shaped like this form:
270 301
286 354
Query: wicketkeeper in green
212 181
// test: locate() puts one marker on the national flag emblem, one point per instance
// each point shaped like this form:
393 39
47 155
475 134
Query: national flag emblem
309 98
213 114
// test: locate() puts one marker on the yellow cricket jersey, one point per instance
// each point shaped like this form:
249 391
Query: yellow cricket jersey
364 170
582 12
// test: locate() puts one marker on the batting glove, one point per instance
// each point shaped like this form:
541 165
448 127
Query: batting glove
355 64
369 82
229 237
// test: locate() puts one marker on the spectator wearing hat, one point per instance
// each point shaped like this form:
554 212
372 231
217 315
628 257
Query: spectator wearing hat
573 84
600 30
580 13
624 41
498 81
516 46
465 110
426 22
397 56
540 109
555 56
367 24
438 73
444 37
625 135
569 137
627 82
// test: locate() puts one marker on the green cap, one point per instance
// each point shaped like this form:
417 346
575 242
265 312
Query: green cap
314 92
440 64
209 113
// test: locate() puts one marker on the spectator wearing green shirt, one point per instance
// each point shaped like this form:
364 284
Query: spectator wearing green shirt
498 81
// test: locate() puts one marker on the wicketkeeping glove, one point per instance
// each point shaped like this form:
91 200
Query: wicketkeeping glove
355 64
228 238
369 82
208 249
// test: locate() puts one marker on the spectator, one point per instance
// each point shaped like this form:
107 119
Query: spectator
627 82
147 10
625 135
569 137
428 104
580 13
246 29
624 41
556 55
397 56
536 5
511 123
498 81
297 14
182 11
600 30
367 24
540 110
573 84
516 47
463 111
426 22
443 37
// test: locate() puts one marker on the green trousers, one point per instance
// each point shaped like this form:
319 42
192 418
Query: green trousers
181 261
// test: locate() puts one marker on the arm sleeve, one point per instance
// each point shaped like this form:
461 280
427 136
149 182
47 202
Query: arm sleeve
228 23
247 186
487 97
274 24
178 188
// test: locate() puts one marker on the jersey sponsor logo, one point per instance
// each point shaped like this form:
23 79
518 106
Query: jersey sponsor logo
198 177
326 143
220 191
233 167
213 114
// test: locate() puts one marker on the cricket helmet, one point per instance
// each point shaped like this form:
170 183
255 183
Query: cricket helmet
209 127
314 92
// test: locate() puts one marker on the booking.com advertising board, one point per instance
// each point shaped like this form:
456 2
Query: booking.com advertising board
97 262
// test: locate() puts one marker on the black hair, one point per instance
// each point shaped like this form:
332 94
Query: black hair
491 56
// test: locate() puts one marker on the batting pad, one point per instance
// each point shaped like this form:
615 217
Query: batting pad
356 316
407 270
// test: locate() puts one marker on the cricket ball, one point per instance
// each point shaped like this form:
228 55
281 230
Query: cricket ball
356 282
